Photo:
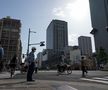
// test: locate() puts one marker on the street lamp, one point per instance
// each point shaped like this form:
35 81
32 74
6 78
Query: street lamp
29 40
41 43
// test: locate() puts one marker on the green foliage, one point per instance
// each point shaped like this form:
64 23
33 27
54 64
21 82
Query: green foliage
102 56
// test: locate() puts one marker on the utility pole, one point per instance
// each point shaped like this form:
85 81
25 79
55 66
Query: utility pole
29 40
41 43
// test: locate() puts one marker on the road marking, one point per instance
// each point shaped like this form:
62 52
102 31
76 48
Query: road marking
105 82
66 87
106 79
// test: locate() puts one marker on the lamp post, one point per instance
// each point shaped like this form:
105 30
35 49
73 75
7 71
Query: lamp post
29 40
41 43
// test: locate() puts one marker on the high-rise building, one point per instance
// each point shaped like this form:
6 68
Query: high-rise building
99 18
57 35
39 59
85 45
10 38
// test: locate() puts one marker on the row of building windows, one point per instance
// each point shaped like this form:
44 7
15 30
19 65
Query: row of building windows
10 42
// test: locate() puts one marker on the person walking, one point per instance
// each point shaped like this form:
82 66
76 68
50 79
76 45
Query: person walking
12 65
31 64
83 67
36 66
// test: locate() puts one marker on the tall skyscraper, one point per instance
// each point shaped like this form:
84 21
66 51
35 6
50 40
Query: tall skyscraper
99 18
10 38
85 45
57 35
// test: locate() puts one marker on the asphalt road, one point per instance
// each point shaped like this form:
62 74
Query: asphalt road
76 76
95 80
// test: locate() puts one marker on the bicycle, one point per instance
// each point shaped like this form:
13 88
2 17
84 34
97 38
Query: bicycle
62 68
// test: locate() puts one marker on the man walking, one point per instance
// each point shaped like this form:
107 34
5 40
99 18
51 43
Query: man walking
83 67
12 65
31 64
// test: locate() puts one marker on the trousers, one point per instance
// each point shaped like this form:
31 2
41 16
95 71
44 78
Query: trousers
30 71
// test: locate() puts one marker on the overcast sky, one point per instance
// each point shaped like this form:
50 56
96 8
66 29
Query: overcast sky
37 14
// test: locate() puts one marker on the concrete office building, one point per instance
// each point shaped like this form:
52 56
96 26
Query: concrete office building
39 59
99 18
57 40
10 39
51 58
85 45
72 54
57 35
75 55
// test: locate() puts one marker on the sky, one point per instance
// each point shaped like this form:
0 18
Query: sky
37 14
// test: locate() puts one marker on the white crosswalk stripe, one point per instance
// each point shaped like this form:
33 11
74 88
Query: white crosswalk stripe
96 78
65 87
103 80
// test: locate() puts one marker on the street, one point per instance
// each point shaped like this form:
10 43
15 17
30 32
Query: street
49 80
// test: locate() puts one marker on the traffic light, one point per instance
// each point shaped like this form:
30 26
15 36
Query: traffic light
42 43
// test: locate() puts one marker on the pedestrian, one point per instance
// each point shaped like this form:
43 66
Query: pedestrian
83 67
1 51
12 65
31 64
36 66
1 56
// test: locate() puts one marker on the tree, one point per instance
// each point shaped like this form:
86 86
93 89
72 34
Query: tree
102 57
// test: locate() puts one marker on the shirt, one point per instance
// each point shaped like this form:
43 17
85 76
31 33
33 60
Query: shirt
31 57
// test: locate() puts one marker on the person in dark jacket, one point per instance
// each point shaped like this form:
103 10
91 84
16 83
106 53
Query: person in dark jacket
31 64
12 65
83 67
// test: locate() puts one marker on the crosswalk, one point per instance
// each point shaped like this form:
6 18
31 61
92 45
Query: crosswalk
65 87
103 80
